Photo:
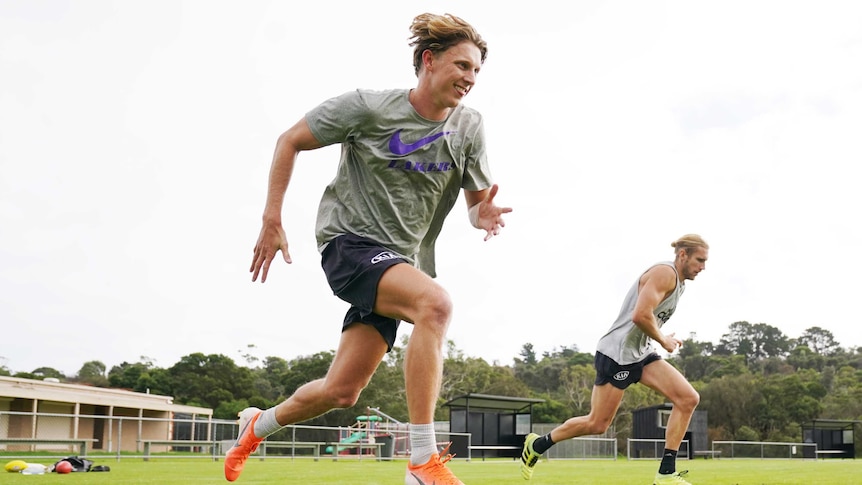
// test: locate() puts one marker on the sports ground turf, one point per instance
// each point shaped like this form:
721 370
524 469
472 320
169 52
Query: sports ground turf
181 471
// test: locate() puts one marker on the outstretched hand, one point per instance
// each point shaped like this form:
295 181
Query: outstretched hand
490 217
270 241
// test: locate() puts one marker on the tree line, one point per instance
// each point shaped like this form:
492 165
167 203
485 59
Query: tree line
756 383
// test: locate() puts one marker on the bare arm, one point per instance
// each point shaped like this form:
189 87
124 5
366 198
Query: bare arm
655 285
484 214
272 237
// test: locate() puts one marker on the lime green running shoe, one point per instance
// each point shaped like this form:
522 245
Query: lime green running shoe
529 458
672 479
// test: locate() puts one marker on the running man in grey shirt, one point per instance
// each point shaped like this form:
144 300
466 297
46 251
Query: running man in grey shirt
625 356
406 156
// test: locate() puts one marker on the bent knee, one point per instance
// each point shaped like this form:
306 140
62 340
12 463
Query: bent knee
688 401
435 309
598 425
344 396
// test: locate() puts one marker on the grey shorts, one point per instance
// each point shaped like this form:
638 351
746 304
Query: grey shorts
620 376
353 266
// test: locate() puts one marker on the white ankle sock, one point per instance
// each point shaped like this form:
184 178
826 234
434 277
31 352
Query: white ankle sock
423 443
266 424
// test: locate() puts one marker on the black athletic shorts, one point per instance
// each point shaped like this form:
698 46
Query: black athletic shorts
620 376
353 267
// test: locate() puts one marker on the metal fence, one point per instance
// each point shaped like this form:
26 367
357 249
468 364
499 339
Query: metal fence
55 435
764 449
28 434
583 448
652 449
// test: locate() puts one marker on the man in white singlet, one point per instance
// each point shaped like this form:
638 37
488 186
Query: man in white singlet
624 356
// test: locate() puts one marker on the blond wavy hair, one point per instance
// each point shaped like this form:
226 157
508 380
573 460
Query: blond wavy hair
689 243
438 33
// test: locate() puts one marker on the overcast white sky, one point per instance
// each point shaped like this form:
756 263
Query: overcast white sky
136 139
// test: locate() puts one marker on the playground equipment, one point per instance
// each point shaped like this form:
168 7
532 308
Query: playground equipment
373 427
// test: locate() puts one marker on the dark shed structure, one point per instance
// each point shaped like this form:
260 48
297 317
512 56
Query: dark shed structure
497 424
651 423
834 438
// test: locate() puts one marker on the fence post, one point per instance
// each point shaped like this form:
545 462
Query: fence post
119 438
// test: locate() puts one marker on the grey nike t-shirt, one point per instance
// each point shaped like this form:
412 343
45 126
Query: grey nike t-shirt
399 174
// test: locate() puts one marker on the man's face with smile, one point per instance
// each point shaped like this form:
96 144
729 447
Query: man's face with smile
454 73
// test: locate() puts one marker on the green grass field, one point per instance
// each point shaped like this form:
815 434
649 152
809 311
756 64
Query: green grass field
181 471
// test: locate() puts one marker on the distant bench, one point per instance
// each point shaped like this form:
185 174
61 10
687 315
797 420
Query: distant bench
823 453
707 453
483 448
81 443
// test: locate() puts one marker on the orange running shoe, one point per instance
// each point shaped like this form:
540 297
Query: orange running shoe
246 444
432 473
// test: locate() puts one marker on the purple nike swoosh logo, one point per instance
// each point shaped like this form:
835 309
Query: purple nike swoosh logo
398 147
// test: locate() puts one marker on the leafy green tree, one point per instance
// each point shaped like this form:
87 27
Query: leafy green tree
737 341
94 373
141 376
820 341
156 381
274 370
207 380
562 352
528 354
844 399
305 369
577 385
755 342
802 357
772 365
788 400
727 365
694 359
230 409
731 402
41 373
744 433
469 375
126 375
502 382
545 376
550 411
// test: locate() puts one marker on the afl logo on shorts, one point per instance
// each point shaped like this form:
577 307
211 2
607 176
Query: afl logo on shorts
385 255
621 375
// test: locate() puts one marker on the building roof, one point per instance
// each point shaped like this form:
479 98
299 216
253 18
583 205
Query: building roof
491 402
832 424
16 387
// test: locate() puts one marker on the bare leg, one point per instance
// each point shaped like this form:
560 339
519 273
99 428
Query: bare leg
664 378
359 353
604 403
406 293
